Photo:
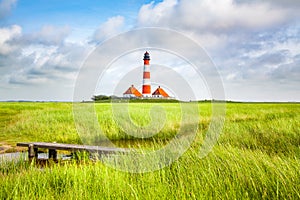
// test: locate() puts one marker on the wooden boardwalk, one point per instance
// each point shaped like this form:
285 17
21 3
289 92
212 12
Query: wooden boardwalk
53 147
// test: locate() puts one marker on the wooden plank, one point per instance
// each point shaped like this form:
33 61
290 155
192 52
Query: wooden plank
23 144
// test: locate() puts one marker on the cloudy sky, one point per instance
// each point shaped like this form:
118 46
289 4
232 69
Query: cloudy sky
254 45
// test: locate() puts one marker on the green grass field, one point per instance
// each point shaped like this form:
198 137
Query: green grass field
256 157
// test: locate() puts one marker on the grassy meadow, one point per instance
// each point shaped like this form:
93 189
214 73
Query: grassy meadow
256 157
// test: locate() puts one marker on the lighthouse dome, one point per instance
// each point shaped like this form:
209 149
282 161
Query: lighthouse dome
146 56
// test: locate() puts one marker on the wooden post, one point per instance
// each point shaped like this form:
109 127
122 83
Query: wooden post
36 153
31 153
52 154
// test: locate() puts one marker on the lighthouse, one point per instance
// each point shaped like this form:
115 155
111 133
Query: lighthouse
132 92
146 76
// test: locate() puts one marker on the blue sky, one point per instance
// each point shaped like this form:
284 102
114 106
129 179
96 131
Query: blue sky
255 45
84 15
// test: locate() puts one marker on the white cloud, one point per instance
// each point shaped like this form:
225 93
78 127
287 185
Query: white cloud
291 4
214 24
7 35
12 38
42 64
109 28
50 35
6 6
151 14
211 15
36 58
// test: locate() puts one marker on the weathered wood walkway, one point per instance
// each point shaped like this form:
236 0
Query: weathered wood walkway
53 147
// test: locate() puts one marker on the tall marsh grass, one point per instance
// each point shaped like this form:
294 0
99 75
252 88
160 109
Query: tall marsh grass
227 173
256 157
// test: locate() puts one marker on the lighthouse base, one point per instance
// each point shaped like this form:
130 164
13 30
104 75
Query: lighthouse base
146 96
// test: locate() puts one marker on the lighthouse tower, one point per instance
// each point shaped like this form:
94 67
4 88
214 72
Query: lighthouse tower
146 76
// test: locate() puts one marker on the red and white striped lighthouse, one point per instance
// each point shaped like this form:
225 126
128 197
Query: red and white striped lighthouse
146 76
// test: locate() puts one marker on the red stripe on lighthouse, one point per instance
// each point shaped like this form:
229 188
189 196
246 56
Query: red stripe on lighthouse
146 75
146 89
